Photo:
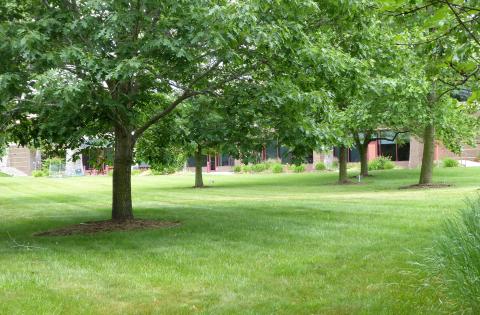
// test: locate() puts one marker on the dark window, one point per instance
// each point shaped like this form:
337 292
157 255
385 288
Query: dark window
392 149
285 155
309 158
227 160
191 161
353 155
404 152
272 150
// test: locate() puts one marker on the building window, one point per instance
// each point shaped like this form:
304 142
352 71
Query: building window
396 152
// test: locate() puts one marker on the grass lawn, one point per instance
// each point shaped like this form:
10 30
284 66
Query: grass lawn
250 244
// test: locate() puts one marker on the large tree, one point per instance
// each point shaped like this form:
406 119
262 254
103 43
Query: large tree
444 35
109 61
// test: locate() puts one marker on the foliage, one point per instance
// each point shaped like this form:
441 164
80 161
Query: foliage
298 168
320 166
247 168
456 258
39 173
260 167
381 163
449 162
116 68
237 168
54 163
277 168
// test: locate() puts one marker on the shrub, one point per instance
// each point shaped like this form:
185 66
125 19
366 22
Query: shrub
449 162
237 169
455 261
39 173
277 168
247 168
258 168
381 163
298 168
334 165
320 166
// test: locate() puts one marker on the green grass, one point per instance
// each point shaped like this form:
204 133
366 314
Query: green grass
3 175
250 244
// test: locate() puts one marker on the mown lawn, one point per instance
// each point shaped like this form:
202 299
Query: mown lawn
250 244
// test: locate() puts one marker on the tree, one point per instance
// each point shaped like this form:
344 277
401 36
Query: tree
369 69
443 33
109 61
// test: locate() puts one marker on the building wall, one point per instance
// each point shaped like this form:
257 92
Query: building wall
22 159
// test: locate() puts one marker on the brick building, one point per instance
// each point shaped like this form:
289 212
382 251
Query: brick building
20 161
407 153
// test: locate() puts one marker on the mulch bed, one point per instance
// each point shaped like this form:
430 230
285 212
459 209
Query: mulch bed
108 226
426 186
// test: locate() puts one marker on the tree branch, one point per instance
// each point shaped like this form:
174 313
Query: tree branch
155 118
457 16
389 139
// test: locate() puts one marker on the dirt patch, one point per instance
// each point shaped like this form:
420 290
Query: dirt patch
108 226
426 186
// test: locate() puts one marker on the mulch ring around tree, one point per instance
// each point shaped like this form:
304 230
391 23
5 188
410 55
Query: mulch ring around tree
108 226
426 186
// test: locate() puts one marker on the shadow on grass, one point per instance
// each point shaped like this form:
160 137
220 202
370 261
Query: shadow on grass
225 224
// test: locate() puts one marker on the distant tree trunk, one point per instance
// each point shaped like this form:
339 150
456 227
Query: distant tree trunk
342 165
363 151
426 172
198 168
122 169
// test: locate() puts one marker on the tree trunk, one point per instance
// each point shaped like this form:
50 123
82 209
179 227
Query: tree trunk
342 165
363 150
198 169
122 169
426 172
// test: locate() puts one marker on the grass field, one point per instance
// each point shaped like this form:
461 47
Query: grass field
250 244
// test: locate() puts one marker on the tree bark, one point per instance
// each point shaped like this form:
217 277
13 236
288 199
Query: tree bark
426 172
363 150
198 168
342 165
122 171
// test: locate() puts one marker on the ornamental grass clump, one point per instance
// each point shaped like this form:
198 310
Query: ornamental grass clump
455 261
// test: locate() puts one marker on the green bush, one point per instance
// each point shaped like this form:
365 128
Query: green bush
381 163
449 162
247 168
455 261
258 168
237 168
298 168
277 168
39 173
320 166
